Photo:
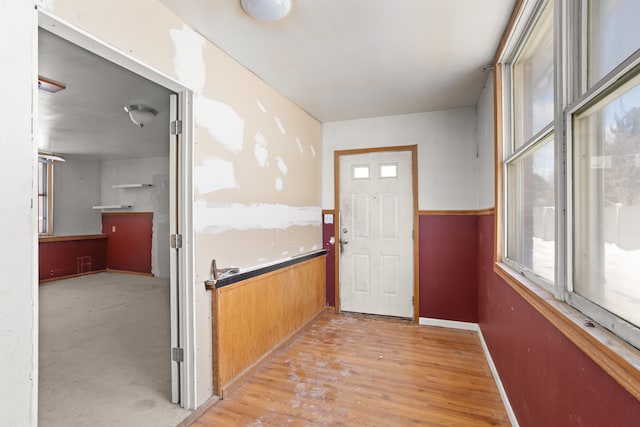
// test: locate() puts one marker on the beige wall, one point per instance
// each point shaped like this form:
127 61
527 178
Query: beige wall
257 156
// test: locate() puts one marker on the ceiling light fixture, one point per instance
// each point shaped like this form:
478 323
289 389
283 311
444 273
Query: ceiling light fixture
267 10
49 85
49 158
140 115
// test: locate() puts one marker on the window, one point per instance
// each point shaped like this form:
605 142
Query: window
360 172
612 35
529 162
607 201
571 156
388 170
605 129
45 200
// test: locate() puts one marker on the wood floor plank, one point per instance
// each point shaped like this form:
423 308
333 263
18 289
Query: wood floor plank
357 370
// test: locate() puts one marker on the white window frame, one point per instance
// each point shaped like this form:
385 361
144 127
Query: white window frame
46 167
612 322
571 95
526 24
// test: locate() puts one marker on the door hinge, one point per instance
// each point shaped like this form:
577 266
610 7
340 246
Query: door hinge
177 354
413 300
176 241
176 127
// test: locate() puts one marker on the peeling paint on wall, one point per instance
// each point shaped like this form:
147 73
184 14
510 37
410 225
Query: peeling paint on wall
279 184
222 122
282 165
189 59
264 110
299 145
215 219
260 149
214 174
313 150
279 124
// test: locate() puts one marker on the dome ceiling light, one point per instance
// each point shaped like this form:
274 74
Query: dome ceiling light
140 115
267 10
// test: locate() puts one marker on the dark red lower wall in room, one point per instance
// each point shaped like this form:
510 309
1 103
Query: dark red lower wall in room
129 247
448 267
62 258
549 381
327 234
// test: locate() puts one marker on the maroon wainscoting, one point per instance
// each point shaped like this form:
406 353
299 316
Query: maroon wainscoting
448 267
549 381
71 255
327 234
129 247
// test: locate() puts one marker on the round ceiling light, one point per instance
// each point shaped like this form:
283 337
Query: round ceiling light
140 115
267 10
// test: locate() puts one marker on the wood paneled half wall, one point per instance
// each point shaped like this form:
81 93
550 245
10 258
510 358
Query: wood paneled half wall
254 317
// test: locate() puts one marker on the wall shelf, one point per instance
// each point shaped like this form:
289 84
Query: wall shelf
112 207
131 185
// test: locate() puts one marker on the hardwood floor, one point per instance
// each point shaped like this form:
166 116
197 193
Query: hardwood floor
350 369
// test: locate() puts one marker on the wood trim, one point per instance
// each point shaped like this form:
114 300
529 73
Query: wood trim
236 382
282 303
487 211
71 238
507 31
374 150
70 276
416 223
498 140
328 211
125 213
135 273
416 236
336 229
616 358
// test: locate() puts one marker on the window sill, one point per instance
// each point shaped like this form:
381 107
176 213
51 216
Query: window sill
619 359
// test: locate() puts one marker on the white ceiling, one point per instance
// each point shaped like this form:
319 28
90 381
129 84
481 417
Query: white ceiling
350 59
87 119
336 59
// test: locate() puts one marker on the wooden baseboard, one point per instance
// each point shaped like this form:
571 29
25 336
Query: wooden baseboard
71 276
135 273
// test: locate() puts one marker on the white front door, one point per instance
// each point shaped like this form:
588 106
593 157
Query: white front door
376 233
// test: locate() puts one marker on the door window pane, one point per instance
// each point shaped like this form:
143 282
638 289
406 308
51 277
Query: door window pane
531 211
360 172
607 202
533 81
388 170
613 34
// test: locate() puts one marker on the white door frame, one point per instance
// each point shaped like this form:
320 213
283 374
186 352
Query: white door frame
416 232
186 266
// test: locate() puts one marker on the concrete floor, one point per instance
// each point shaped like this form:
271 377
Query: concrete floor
104 352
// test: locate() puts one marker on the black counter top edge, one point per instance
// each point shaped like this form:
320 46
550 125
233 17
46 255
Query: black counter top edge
244 275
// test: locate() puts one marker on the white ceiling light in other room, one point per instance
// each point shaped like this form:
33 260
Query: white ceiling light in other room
140 115
267 10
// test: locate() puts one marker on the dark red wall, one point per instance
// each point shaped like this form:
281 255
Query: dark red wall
327 234
549 381
448 267
129 247
61 258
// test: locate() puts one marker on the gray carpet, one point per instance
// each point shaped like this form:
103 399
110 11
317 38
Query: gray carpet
104 352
